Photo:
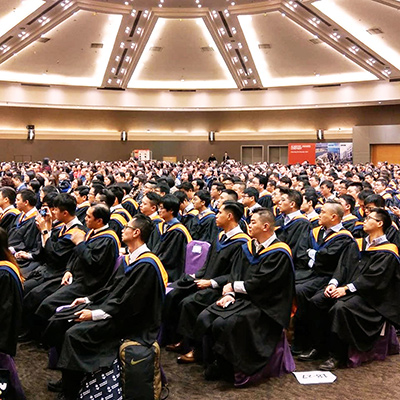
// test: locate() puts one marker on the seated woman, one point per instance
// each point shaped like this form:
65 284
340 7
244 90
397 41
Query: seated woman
10 313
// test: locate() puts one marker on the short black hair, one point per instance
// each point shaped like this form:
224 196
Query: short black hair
125 186
285 179
9 192
364 194
154 198
252 192
376 200
101 211
107 196
29 196
237 209
205 196
82 190
49 199
163 186
311 195
328 184
181 196
219 185
231 193
117 192
293 195
200 183
263 179
171 203
65 202
144 224
49 189
186 186
383 216
349 200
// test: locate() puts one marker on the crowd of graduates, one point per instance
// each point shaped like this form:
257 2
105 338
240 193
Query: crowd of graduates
314 247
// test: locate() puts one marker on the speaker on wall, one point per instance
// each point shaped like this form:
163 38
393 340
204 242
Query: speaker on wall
211 136
31 132
320 134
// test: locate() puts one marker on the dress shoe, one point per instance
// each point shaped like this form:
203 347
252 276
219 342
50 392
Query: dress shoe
309 355
330 364
213 372
25 337
55 386
176 347
187 358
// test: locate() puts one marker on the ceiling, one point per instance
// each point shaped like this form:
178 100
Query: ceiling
188 45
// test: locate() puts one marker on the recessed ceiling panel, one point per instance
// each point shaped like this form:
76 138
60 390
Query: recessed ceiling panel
181 54
285 54
360 16
68 57
14 11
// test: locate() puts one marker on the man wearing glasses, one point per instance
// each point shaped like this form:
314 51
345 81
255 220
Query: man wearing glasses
362 295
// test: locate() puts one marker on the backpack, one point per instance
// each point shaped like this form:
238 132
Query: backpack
141 375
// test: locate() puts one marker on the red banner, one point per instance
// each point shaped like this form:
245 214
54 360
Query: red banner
300 152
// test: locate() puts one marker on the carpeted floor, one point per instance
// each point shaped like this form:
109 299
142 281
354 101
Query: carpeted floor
378 380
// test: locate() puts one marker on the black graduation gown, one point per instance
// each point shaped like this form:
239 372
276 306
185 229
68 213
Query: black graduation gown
91 265
171 248
155 234
296 235
46 279
8 218
130 205
204 228
247 332
81 211
10 308
118 219
184 305
188 219
133 297
358 317
350 222
25 236
265 200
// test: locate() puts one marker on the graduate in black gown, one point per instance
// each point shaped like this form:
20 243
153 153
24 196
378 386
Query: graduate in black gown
203 225
246 324
24 236
293 228
328 243
10 297
129 306
91 264
81 194
9 212
184 303
56 253
363 293
149 207
171 238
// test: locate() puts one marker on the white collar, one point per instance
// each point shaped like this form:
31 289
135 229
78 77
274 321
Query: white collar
378 240
290 216
312 214
117 207
269 241
254 207
189 207
103 228
30 212
137 253
73 222
8 208
233 232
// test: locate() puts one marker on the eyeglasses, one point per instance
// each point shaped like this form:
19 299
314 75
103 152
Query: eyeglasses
128 227
375 219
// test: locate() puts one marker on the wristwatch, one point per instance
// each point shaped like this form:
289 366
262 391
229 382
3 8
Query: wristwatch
45 232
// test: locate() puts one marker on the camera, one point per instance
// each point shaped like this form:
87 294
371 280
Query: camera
43 212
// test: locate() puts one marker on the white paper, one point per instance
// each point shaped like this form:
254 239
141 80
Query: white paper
314 377
196 249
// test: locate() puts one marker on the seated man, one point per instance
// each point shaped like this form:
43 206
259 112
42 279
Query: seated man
246 324
171 238
127 201
81 194
9 213
328 243
55 255
149 207
24 236
203 225
250 198
129 306
363 293
310 201
91 264
183 305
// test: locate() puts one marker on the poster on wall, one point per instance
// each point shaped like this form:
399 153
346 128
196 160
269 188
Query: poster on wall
142 155
300 152
320 152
